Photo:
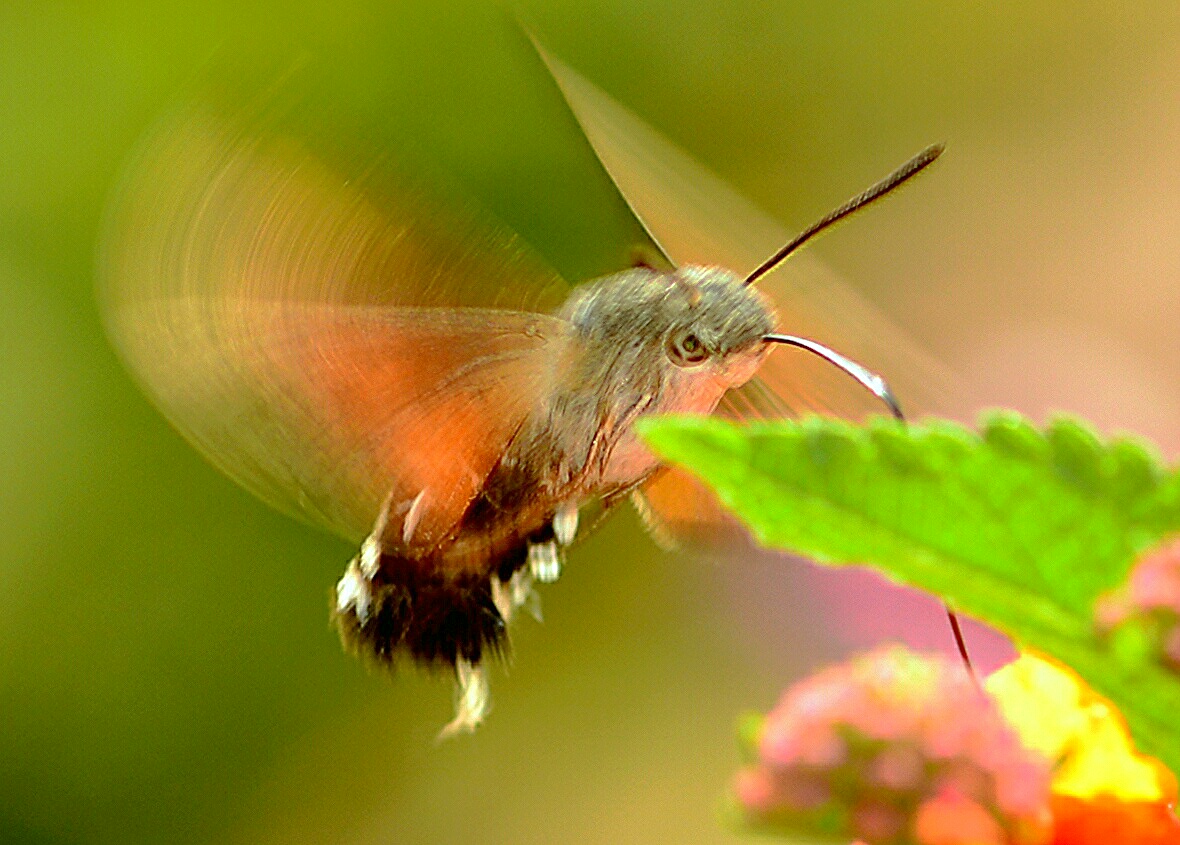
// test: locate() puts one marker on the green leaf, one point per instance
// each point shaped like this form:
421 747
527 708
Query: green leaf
1018 527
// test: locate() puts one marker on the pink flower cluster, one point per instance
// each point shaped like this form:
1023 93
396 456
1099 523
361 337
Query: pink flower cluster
1151 597
892 748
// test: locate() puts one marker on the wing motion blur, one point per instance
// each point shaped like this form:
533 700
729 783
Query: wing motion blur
696 218
300 329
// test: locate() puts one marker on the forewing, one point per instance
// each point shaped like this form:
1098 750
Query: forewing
696 218
302 332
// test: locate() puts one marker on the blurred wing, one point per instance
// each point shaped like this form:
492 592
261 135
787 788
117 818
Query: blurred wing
675 506
696 218
298 330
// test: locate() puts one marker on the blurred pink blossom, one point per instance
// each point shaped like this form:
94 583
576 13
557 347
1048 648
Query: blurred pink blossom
1151 599
893 747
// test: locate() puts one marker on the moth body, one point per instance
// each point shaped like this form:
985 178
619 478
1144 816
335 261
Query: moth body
415 381
641 342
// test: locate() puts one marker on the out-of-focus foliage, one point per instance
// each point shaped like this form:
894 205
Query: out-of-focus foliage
1021 528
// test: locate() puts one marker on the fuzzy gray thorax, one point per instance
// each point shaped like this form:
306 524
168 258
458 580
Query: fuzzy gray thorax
624 359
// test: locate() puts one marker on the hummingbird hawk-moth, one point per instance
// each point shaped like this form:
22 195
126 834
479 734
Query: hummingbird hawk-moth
360 357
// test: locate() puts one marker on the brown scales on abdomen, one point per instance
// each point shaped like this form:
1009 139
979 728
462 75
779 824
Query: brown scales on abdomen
435 613
453 603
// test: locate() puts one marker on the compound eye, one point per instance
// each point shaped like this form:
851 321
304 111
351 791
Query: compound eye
686 349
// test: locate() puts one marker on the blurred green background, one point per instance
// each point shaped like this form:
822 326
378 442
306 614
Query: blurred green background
167 672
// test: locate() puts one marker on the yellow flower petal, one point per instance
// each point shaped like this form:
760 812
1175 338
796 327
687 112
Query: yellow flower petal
1056 714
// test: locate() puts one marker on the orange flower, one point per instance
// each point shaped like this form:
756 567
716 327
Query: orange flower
1105 820
1104 791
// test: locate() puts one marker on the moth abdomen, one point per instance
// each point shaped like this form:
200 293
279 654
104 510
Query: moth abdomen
423 611
449 606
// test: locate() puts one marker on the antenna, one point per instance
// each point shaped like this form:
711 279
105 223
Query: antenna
895 179
879 388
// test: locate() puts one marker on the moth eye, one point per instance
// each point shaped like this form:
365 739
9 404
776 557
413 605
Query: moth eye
686 349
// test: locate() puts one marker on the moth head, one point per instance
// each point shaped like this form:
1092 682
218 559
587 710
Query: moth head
715 321
691 323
